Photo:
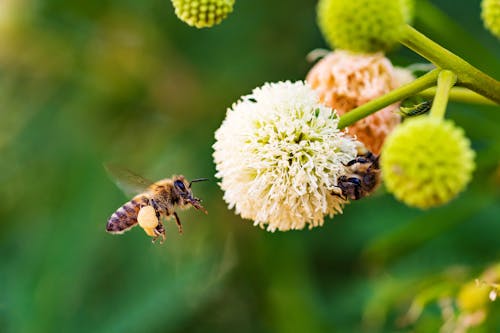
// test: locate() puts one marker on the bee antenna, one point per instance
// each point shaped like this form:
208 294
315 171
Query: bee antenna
197 180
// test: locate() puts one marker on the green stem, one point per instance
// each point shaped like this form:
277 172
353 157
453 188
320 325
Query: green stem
467 75
425 81
432 21
446 80
459 94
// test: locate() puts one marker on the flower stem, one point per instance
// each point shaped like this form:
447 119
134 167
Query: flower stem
446 80
432 21
459 94
467 75
425 81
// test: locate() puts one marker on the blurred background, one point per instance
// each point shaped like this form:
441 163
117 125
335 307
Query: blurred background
88 82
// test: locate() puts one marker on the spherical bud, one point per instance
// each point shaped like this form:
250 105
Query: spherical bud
344 81
147 219
491 16
278 154
202 13
426 161
363 26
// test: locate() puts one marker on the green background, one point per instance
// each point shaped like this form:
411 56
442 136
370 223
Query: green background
88 82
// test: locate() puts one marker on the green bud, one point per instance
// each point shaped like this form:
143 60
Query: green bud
202 13
491 16
426 161
363 26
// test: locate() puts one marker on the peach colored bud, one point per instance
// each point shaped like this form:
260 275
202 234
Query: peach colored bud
345 81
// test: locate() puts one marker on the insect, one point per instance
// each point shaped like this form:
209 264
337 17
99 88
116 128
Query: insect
154 201
362 179
410 108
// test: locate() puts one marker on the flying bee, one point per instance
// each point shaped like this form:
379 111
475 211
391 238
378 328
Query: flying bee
362 178
154 201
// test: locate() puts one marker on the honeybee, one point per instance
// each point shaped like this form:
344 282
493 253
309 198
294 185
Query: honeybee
363 176
154 201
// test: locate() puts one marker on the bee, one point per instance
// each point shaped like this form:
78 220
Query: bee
362 178
156 200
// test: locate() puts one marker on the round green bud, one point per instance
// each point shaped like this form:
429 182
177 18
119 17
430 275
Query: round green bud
202 13
364 26
491 16
426 161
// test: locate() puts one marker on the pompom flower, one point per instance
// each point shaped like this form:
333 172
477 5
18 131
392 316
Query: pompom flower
345 80
202 13
278 154
490 14
427 161
363 26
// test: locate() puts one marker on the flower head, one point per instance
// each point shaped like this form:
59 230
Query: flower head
491 16
279 154
364 26
202 13
427 161
345 81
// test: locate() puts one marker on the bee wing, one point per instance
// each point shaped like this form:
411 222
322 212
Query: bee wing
127 181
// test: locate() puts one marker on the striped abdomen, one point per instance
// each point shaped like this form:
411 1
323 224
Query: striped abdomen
125 217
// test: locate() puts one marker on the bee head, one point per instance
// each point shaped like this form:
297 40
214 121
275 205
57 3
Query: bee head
181 185
183 188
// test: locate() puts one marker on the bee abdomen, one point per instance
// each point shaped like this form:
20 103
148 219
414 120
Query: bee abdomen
125 217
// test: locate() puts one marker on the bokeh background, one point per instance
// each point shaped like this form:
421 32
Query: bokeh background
88 82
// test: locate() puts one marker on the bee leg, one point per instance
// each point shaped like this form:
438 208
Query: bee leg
159 232
356 185
178 221
155 206
145 202
357 193
163 237
162 240
359 159
337 194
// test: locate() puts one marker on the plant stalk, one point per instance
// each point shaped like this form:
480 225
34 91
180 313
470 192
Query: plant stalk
467 75
446 80
425 81
459 94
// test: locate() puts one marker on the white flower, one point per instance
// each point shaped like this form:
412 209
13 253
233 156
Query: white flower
278 154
